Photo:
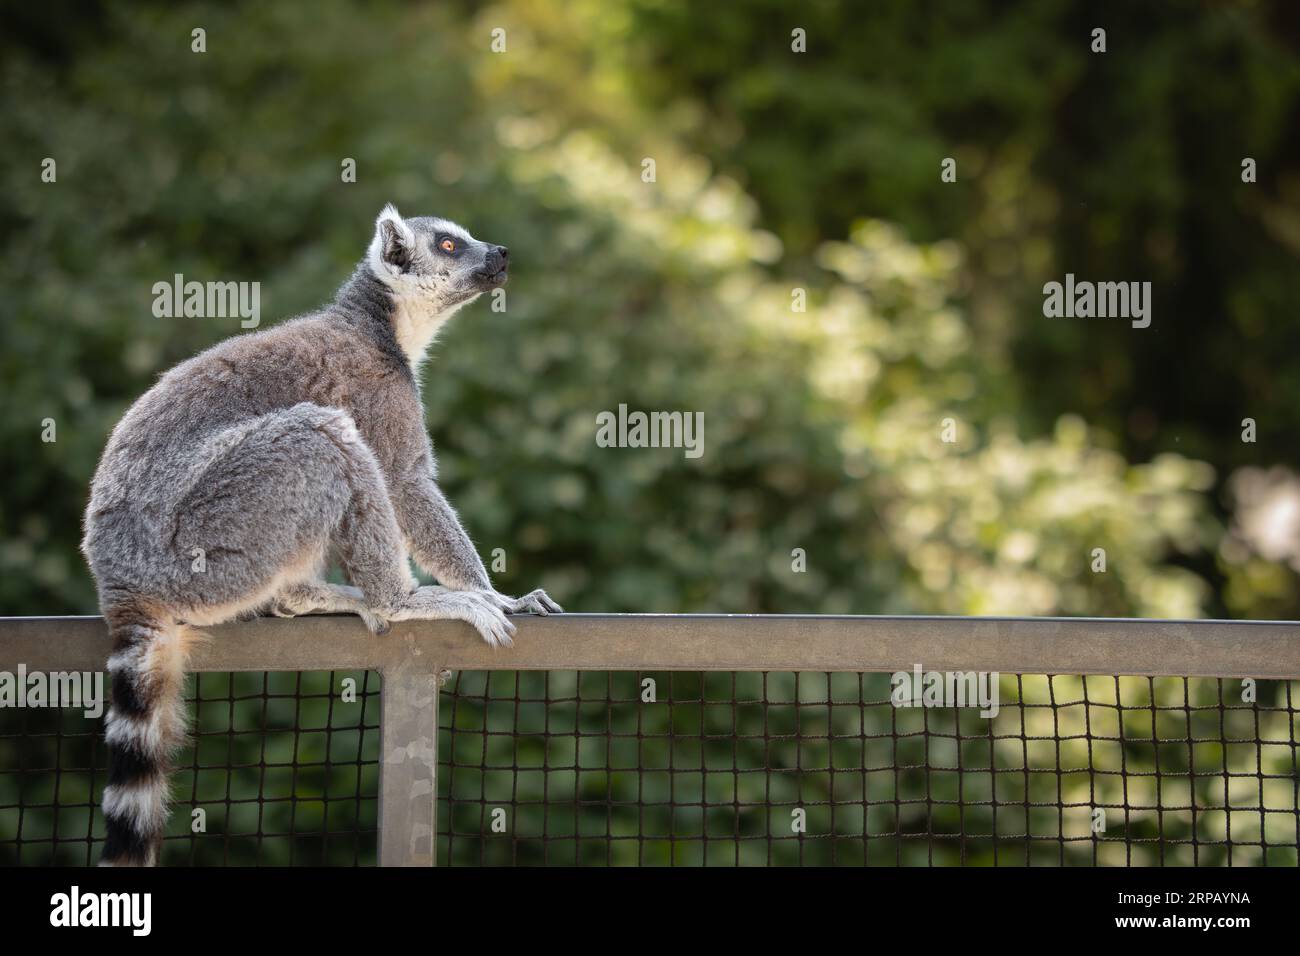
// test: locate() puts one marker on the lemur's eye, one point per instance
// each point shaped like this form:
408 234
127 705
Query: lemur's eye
447 245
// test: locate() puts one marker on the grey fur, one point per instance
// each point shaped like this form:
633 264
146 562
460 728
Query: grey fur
274 451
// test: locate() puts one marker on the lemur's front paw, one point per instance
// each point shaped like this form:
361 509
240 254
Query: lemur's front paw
490 621
472 607
534 602
494 628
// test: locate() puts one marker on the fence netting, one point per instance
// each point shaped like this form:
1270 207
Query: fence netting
717 769
785 769
282 769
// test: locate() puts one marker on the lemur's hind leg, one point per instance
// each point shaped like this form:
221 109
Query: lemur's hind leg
318 597
305 483
274 494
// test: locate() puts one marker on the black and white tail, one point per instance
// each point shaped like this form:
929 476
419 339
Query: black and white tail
144 726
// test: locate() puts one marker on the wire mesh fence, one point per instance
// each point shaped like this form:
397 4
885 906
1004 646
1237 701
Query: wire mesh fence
718 769
822 769
281 769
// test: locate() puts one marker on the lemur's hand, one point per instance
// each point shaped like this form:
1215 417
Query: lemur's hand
473 607
534 602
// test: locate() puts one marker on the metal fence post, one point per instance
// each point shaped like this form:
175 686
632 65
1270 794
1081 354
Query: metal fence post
408 770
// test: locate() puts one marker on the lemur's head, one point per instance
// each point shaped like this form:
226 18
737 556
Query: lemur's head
434 258
432 267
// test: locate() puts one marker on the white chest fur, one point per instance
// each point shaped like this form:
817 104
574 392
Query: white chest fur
416 321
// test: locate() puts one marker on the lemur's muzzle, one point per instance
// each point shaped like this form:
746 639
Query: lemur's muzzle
495 266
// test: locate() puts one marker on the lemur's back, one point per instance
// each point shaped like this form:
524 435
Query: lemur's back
160 440
199 412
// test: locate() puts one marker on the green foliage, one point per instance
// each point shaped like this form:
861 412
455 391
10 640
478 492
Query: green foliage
821 427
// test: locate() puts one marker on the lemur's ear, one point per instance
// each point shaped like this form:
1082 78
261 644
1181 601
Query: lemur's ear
394 239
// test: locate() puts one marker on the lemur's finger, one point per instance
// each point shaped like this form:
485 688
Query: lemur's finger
491 632
540 602
494 626
504 634
534 602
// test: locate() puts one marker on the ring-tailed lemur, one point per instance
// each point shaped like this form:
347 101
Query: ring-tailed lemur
225 490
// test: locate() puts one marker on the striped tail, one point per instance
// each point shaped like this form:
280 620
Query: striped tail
143 728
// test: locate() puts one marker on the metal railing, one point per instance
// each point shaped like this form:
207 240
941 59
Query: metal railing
415 660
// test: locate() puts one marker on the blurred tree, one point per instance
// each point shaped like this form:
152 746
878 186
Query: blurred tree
1123 165
821 427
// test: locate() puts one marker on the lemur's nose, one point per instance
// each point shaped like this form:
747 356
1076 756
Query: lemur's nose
503 252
